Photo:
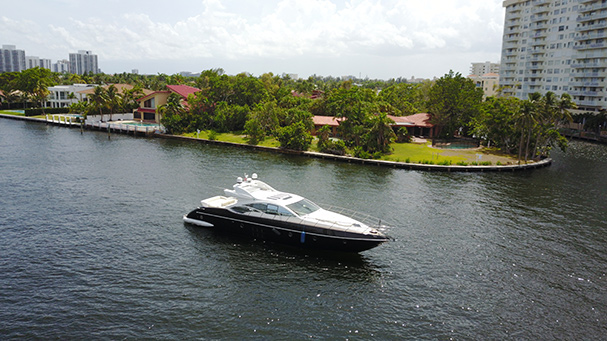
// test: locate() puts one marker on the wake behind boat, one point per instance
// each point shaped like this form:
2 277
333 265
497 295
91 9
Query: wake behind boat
254 209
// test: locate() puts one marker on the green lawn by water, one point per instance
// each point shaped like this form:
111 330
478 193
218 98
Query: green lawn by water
402 152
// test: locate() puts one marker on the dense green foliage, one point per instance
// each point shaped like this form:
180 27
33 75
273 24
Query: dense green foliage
281 107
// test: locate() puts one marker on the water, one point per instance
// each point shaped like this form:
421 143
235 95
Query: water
93 246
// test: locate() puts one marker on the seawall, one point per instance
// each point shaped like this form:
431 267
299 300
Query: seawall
382 163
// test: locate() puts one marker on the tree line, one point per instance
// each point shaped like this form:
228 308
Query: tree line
282 107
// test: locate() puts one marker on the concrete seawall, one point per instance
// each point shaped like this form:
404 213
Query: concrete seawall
383 163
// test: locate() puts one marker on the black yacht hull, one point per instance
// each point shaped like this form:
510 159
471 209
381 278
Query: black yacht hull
282 231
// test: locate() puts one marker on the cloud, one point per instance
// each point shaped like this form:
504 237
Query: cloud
275 29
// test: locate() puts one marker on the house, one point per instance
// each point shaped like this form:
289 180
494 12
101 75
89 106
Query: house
120 89
61 96
417 125
149 104
321 121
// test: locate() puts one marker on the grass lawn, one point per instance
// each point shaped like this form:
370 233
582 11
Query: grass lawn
425 153
14 113
402 152
234 138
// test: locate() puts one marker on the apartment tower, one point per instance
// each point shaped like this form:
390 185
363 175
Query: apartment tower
11 59
83 62
558 46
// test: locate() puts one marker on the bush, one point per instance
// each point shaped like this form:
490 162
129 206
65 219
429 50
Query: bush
212 135
359 152
294 137
402 135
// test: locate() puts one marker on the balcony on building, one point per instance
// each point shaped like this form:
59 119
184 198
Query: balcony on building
588 65
591 35
591 17
591 46
591 8
540 9
590 27
587 93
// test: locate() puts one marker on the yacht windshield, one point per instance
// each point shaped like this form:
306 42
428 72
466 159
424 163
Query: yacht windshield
303 207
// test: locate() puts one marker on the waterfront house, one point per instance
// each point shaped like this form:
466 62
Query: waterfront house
321 121
417 125
149 104
61 96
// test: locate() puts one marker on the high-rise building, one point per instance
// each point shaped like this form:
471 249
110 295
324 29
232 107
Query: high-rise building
61 66
480 69
83 62
11 59
558 46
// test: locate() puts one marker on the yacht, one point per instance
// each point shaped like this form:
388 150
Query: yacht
254 209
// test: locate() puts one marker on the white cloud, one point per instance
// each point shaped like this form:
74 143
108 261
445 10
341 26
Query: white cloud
273 30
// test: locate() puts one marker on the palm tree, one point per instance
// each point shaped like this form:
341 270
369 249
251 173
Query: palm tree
526 120
381 132
113 99
99 100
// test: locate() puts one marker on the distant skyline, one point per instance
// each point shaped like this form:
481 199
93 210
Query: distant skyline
379 39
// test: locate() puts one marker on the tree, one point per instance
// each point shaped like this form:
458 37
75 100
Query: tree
98 100
402 97
294 137
8 87
112 99
354 105
380 134
35 83
453 101
496 122
527 118
172 115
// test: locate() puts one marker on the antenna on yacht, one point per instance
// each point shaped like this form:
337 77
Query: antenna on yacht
254 176
239 180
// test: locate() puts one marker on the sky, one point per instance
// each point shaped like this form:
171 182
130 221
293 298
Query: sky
378 39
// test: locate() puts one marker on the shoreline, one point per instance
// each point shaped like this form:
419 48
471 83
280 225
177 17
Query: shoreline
349 159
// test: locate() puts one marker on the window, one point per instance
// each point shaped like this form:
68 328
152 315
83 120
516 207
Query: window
303 207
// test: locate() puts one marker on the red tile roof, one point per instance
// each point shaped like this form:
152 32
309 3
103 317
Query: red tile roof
326 120
417 120
152 94
183 90
420 120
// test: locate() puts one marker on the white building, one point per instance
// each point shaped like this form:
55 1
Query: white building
483 68
32 62
83 62
60 97
61 66
558 46
11 59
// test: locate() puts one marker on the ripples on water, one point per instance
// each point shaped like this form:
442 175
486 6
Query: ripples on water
93 246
